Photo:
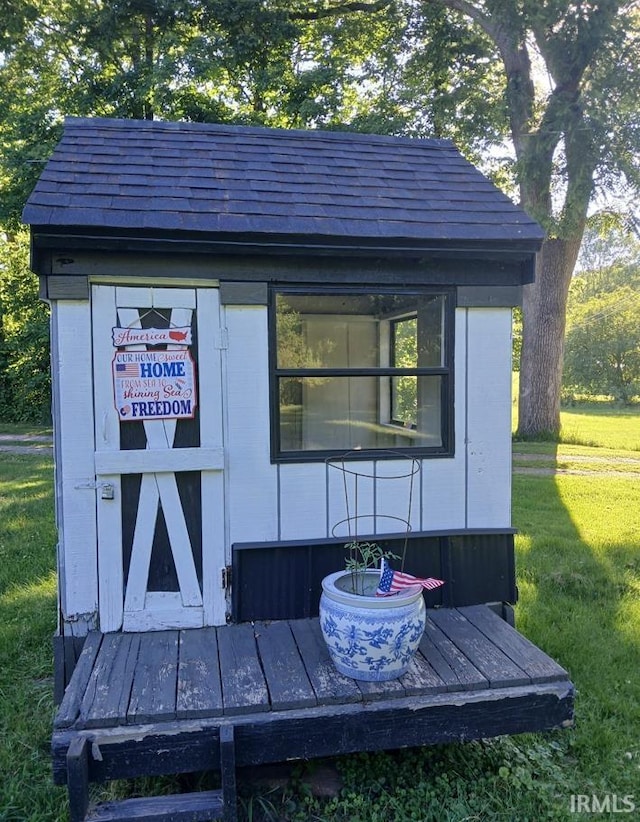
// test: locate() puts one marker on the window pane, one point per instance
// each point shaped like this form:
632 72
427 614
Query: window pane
404 335
416 403
359 330
404 400
343 413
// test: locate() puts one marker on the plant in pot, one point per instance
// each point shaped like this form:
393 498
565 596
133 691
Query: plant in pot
372 617
371 633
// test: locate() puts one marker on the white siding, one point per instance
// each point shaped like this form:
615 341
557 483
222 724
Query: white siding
73 410
443 480
297 501
303 501
351 500
107 428
262 502
252 480
489 418
398 496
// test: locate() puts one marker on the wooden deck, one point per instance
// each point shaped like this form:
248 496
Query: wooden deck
200 699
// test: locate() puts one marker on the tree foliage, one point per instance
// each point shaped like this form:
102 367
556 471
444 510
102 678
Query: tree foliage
541 93
569 71
603 346
602 352
24 337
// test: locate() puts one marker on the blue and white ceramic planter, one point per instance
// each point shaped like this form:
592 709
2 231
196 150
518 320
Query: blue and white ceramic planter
370 638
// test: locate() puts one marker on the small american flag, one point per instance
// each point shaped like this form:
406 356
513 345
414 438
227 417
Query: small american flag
393 581
129 369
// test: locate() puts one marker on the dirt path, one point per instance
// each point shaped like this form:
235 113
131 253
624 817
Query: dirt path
547 472
26 444
614 465
575 458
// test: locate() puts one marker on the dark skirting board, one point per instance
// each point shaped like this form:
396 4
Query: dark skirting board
283 580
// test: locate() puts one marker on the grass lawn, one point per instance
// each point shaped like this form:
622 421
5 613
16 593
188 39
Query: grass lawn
578 564
27 623
601 426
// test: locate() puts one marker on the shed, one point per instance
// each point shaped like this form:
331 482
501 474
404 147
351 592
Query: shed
232 309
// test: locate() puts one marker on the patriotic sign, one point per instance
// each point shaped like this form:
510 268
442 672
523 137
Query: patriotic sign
391 582
151 385
151 336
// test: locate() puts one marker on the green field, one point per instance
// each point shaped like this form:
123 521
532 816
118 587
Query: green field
597 423
578 567
601 426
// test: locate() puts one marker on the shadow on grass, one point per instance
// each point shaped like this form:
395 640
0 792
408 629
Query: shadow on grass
578 574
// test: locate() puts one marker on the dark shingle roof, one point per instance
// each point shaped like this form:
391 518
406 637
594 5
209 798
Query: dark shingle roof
173 177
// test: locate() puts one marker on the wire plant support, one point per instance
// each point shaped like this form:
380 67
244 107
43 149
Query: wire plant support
362 529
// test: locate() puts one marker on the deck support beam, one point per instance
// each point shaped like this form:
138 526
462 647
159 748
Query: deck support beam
78 778
228 773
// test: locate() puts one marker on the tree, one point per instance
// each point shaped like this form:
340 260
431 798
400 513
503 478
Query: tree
603 346
24 337
577 135
602 351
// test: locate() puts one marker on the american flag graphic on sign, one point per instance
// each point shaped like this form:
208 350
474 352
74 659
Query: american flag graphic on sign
391 582
128 369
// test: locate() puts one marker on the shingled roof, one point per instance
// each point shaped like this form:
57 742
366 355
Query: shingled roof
107 176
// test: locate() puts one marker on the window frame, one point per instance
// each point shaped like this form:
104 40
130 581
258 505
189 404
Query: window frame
445 371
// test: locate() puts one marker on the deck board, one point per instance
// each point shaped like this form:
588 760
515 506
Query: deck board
154 703
244 689
539 666
330 686
380 690
69 708
107 694
285 674
421 678
466 676
153 693
438 662
487 657
236 670
199 690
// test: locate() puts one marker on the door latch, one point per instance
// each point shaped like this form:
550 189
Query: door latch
107 489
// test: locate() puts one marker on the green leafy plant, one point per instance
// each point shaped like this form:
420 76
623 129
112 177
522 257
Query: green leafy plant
364 556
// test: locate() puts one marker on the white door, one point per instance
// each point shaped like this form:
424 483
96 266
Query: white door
159 457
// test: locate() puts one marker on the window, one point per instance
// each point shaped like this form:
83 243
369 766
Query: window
361 370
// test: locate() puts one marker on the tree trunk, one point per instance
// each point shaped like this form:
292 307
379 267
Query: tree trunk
544 317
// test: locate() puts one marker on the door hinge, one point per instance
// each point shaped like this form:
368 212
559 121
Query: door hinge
226 577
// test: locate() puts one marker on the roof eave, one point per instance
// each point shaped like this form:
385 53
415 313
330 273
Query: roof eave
51 237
